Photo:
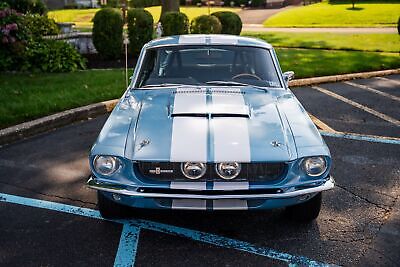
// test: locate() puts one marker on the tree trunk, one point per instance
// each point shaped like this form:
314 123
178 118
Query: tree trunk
169 5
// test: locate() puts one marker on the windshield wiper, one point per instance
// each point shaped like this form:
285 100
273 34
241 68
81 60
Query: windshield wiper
232 83
166 85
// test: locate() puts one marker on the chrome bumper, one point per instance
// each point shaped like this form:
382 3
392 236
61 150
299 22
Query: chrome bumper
133 191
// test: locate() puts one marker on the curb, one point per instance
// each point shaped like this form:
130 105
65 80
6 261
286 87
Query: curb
44 124
342 77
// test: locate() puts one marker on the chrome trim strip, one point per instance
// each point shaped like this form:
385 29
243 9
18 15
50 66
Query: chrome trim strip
123 190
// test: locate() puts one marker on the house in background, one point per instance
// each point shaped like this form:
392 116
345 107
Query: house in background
58 4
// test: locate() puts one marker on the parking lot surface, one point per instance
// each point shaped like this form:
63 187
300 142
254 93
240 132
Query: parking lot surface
48 216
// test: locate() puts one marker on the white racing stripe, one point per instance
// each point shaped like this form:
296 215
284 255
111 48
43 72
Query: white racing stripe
230 134
230 204
189 204
231 185
189 134
188 185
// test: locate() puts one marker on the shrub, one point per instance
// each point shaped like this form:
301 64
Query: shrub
107 33
27 6
40 26
53 56
20 51
174 23
231 22
140 29
205 24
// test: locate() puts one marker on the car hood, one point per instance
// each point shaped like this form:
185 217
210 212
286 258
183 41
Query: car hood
210 125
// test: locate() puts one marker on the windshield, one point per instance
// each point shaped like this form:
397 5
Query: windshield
208 65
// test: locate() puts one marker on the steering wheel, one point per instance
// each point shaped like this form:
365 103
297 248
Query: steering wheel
246 74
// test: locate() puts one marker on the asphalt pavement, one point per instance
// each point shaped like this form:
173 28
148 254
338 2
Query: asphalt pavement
358 225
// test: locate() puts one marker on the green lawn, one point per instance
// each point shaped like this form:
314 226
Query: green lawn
82 17
314 62
340 41
25 97
366 14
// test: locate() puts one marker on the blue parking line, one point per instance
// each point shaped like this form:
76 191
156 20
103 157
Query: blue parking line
361 137
36 203
127 249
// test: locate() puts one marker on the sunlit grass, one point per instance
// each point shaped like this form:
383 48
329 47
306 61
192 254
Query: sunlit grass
338 15
340 41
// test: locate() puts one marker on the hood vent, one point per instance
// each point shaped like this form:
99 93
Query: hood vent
212 115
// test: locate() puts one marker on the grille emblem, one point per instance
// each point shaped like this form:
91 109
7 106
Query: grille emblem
159 171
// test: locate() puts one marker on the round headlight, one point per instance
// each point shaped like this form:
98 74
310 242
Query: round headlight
105 165
314 166
193 170
228 170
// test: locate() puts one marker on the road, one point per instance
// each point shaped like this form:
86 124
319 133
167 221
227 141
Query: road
358 226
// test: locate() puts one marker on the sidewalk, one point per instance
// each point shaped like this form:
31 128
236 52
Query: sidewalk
258 16
261 28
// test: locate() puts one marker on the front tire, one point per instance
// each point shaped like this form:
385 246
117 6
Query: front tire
110 209
306 211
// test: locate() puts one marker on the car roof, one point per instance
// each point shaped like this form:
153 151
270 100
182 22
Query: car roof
207 39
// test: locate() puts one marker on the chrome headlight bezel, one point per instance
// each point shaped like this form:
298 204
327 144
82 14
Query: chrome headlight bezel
309 163
219 168
199 166
106 165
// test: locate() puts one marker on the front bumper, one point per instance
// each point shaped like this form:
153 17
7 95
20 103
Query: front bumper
195 194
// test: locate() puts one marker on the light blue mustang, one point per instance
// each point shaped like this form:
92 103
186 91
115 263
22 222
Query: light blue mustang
208 123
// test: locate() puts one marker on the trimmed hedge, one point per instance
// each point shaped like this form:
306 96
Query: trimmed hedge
231 22
107 33
205 24
140 29
174 23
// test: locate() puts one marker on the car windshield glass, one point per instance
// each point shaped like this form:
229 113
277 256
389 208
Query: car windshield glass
218 65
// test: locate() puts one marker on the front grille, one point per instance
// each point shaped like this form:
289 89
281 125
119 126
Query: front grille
171 171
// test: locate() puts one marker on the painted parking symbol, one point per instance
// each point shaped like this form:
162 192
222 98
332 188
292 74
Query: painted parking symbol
130 235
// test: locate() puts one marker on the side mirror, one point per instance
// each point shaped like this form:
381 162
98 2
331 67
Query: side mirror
288 76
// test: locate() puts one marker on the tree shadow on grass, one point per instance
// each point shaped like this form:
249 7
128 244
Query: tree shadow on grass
355 8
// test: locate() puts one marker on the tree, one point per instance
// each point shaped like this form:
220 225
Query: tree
169 5
353 2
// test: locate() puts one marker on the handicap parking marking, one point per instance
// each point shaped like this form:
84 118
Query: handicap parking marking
370 89
129 240
358 105
128 245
